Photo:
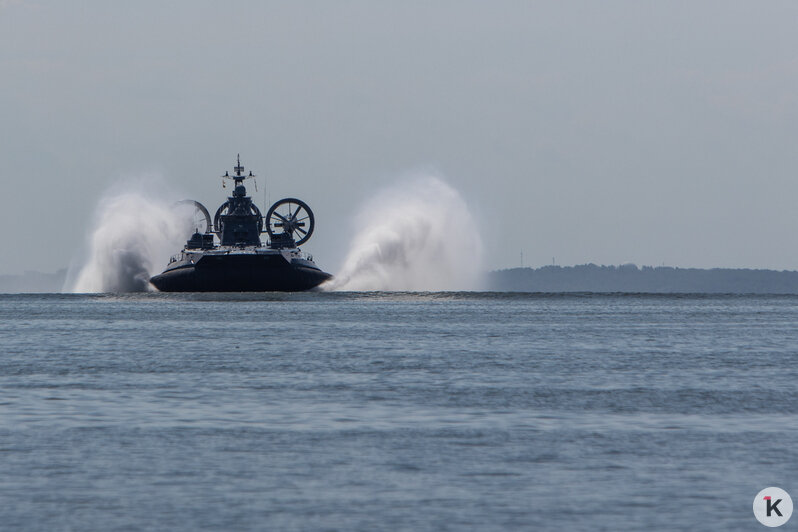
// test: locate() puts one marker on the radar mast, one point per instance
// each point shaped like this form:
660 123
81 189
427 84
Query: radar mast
238 176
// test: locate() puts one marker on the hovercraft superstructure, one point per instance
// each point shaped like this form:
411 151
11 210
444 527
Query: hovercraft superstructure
240 262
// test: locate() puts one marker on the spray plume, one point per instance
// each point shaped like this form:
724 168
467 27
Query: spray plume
415 236
133 236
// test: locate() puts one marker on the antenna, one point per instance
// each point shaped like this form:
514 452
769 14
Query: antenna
265 201
238 174
238 167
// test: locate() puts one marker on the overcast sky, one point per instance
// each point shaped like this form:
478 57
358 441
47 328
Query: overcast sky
605 132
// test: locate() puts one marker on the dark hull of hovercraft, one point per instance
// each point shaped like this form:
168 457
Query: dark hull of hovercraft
240 273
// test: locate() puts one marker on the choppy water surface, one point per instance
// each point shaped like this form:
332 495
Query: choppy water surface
395 411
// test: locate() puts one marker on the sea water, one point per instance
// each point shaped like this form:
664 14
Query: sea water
395 411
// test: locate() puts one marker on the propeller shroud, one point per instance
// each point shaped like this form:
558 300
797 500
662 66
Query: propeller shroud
200 217
291 216
224 208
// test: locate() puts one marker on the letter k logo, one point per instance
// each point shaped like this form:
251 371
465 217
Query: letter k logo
772 506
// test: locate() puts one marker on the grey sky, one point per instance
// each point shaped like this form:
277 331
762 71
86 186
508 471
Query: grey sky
602 132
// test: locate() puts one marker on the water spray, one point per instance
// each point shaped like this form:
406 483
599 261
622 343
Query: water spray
133 234
418 235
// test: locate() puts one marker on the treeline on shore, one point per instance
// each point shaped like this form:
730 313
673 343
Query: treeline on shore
648 279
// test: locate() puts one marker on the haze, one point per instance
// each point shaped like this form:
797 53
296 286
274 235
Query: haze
605 132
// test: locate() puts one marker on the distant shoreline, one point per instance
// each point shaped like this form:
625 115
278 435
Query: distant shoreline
648 279
33 282
627 278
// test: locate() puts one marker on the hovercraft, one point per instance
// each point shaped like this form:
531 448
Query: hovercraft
239 262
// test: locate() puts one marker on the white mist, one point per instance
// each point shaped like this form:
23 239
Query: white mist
418 235
134 235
